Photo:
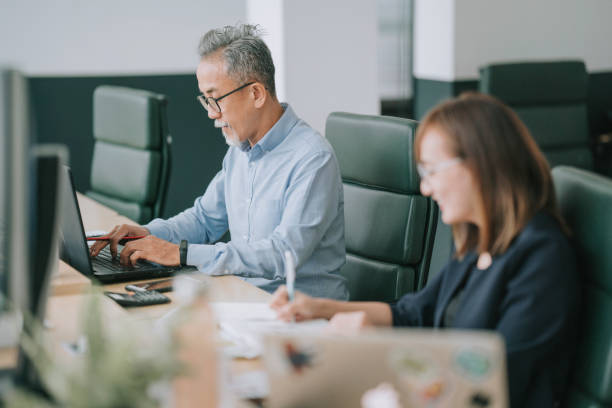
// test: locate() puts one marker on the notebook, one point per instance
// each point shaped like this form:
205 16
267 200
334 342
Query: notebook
75 252
387 367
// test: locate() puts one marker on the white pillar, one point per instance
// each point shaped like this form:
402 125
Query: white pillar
324 53
434 39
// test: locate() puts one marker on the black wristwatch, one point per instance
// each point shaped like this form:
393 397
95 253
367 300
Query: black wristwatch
183 251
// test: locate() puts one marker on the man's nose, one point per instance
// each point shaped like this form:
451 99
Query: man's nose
213 114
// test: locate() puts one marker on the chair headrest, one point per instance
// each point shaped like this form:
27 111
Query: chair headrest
375 151
127 116
531 83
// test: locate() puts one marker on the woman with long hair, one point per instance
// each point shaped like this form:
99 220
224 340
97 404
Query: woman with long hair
513 269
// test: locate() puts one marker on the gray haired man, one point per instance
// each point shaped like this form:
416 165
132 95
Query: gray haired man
279 188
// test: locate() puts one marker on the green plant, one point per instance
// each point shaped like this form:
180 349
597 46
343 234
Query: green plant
121 363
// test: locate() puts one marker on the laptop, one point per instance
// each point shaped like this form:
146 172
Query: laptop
75 251
412 367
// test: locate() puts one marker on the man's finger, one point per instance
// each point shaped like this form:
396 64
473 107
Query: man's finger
119 233
127 251
136 255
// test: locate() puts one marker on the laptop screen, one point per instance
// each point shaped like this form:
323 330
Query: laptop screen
73 244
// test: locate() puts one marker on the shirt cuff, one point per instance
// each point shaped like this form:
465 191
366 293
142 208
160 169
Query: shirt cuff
200 255
158 229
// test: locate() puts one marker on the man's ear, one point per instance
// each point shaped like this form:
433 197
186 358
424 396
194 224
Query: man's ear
259 94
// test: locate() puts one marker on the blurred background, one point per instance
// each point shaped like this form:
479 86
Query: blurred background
391 57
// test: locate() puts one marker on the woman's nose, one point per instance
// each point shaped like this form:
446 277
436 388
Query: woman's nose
425 187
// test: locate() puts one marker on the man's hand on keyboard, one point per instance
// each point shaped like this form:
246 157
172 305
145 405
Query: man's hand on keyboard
152 249
115 235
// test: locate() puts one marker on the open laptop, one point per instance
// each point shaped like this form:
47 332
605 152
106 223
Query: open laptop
418 367
104 268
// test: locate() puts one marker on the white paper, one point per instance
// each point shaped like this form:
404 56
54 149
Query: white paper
244 324
257 311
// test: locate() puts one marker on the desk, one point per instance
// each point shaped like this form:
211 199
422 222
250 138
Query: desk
69 288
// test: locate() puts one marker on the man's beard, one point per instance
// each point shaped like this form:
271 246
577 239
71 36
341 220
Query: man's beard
231 140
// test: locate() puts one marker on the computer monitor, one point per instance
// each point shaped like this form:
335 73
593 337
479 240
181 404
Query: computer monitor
46 175
14 202
47 169
30 178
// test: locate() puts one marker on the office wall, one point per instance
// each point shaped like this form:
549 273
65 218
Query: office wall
68 47
455 37
110 37
325 54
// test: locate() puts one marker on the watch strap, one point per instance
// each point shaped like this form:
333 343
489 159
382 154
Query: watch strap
183 251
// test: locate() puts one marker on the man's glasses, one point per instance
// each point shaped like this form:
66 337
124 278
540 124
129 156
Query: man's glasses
212 104
425 172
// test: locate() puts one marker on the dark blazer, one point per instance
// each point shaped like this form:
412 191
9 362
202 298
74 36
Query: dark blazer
529 294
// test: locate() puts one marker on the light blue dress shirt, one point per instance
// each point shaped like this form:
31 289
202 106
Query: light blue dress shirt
284 193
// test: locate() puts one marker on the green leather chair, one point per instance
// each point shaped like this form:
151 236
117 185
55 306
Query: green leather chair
586 203
551 98
390 227
131 157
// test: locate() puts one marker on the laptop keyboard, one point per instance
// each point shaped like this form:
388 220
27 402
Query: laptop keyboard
105 260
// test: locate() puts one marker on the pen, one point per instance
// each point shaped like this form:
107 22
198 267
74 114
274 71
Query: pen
108 238
290 274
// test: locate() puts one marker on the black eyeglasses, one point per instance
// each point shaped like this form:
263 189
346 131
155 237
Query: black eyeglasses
209 103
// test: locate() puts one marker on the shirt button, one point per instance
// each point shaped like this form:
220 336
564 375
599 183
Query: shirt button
248 200
245 237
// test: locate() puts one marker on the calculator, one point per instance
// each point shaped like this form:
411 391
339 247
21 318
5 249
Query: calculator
144 298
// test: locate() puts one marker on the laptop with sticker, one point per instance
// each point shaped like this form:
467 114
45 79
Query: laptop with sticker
387 367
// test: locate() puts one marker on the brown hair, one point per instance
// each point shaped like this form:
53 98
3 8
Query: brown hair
512 173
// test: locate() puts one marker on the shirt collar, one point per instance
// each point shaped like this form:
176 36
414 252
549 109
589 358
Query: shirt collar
277 133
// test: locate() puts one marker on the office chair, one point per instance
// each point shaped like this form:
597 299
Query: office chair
131 158
586 203
551 98
389 225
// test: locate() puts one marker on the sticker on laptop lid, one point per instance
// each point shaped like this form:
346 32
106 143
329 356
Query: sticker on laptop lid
421 375
473 363
292 357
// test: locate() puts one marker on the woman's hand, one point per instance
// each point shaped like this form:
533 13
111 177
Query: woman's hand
302 308
349 322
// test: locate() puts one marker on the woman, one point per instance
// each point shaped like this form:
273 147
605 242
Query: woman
513 269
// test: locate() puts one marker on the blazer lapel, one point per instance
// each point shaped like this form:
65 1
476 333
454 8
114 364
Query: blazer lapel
455 278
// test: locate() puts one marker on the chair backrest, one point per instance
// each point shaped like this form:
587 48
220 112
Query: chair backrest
389 225
551 98
131 159
586 203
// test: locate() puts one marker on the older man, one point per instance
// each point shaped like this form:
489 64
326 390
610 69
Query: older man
279 188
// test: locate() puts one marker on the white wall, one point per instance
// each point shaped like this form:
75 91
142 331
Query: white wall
325 55
270 19
485 31
74 37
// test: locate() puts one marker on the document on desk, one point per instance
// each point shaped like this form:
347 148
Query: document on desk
243 325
